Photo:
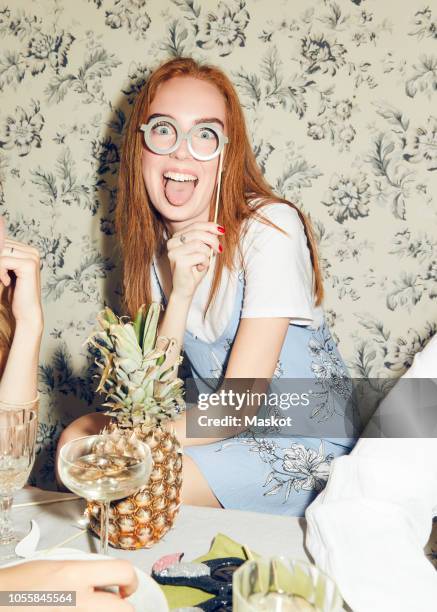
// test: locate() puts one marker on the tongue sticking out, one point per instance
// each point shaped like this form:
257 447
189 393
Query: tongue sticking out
178 192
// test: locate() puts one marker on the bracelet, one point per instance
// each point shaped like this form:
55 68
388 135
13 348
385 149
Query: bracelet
20 404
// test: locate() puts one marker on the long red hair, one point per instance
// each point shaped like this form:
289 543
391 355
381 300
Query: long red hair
140 227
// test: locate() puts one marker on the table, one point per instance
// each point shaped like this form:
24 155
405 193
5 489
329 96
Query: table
192 533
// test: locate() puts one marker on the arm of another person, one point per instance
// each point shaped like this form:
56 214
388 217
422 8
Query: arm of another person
369 526
19 380
87 579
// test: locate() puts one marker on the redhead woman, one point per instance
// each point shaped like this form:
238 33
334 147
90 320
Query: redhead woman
236 269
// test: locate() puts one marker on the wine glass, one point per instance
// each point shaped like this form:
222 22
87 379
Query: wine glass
283 585
96 474
18 429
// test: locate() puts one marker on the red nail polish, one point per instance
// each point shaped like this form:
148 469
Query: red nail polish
221 229
220 248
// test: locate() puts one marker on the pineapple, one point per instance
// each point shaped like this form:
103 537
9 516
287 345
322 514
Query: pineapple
139 379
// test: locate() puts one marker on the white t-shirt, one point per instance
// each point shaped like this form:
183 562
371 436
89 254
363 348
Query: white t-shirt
278 278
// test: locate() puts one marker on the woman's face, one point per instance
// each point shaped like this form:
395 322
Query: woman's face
188 101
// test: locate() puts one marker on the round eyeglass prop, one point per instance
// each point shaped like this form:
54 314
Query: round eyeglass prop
163 135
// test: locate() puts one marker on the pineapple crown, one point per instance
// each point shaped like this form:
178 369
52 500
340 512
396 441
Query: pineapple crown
139 369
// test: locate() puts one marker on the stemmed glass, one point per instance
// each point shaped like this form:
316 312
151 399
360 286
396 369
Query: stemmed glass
90 471
18 429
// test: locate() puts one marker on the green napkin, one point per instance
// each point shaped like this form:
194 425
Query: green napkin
222 546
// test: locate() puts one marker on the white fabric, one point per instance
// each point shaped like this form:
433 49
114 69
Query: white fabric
278 277
367 529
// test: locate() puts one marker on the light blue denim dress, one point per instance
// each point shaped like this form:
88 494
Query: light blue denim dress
268 473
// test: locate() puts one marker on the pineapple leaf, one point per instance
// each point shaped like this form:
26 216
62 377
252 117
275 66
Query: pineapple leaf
171 352
126 345
106 318
139 324
150 327
127 365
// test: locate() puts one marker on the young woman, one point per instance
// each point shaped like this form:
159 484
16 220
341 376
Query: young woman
21 326
242 295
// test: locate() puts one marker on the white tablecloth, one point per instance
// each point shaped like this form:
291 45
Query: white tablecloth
192 533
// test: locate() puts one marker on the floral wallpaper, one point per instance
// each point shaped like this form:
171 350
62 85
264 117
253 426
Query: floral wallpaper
340 98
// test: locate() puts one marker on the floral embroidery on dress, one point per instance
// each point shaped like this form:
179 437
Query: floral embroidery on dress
279 370
217 370
332 380
295 468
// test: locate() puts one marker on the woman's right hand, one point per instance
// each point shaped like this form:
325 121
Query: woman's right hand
189 258
85 578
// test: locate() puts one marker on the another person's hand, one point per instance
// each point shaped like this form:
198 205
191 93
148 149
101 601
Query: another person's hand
83 577
189 257
23 261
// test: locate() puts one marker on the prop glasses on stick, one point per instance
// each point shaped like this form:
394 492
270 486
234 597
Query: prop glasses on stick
163 136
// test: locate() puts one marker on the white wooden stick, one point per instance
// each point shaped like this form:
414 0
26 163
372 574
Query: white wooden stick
219 184
217 199
46 501
70 539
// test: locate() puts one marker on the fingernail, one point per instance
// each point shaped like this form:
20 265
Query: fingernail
221 229
220 248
